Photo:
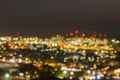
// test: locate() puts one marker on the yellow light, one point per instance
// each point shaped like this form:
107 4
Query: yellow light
26 72
26 59
52 57
51 64
35 72
104 72
41 62
55 69
0 56
37 75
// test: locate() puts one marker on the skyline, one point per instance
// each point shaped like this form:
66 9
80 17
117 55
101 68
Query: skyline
59 17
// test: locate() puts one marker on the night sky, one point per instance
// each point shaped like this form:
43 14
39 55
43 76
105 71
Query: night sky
49 17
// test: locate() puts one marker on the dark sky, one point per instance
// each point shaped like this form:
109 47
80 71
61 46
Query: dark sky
49 17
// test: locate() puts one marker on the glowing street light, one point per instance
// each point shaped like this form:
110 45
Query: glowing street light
65 72
7 75
71 73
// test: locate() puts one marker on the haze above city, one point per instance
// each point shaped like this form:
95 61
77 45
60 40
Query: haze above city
49 17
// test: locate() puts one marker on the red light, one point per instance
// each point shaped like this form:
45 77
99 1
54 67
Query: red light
76 31
18 33
94 32
71 34
105 35
100 35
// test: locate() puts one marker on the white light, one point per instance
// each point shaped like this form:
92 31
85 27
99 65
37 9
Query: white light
88 71
96 52
3 59
63 68
12 60
80 78
20 61
65 72
20 55
84 51
102 52
7 75
28 76
72 73
117 41
21 74
93 73
117 71
86 66
85 44
113 40
91 78
98 77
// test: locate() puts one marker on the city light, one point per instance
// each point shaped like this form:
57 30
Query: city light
7 75
68 57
